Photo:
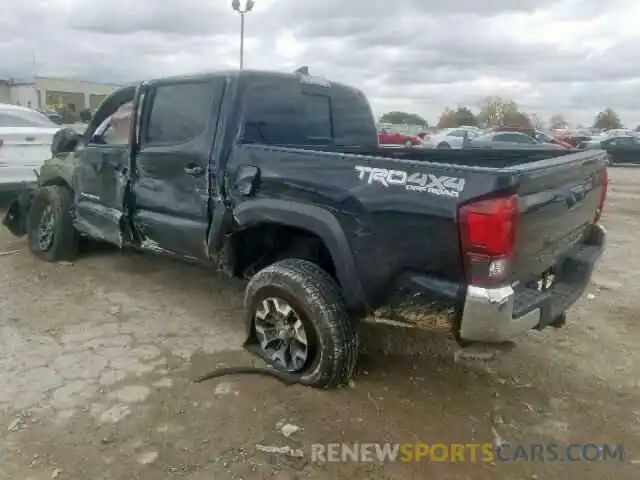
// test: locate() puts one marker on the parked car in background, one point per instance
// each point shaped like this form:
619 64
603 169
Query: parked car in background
514 128
576 139
514 140
618 132
25 143
544 137
427 132
54 116
621 149
450 138
388 137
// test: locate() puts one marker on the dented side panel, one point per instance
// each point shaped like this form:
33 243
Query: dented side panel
173 174
99 187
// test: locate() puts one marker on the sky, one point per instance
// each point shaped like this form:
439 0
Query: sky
573 57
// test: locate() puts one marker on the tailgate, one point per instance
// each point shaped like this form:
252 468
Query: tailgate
557 202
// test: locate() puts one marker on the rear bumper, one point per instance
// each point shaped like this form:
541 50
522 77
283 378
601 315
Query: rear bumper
494 315
499 314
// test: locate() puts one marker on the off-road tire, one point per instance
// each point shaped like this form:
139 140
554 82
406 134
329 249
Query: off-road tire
65 242
316 298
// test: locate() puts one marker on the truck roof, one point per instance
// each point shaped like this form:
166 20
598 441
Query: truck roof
247 74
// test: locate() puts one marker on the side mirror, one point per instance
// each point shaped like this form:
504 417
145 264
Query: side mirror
65 140
85 115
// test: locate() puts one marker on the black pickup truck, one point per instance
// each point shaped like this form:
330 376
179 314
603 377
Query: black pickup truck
278 178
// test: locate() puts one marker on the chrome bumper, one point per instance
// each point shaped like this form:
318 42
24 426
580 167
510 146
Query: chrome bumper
488 314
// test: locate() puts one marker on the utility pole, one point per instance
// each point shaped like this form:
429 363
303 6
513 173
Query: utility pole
235 4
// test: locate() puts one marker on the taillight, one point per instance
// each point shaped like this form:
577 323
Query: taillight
487 237
604 173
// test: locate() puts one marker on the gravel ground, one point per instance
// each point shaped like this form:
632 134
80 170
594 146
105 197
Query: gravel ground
97 357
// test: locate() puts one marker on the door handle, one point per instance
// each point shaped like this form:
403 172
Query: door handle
30 139
247 178
195 170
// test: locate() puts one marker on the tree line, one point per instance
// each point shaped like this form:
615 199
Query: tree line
495 111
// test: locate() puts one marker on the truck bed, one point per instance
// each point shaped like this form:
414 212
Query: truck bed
401 208
496 158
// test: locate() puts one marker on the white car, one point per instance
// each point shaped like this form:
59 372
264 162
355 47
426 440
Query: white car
450 138
25 143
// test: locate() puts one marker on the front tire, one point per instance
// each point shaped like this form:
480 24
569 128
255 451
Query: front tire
444 146
51 234
296 301
408 144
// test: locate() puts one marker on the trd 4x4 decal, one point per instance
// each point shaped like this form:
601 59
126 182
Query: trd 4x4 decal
417 182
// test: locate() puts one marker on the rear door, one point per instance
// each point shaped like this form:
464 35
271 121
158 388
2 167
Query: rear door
172 166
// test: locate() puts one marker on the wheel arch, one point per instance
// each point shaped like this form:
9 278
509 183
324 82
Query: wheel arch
318 222
51 175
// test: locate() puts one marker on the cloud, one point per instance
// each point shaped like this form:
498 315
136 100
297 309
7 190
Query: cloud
568 56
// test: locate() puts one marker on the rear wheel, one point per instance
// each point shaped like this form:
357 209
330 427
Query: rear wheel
444 146
51 234
408 144
300 324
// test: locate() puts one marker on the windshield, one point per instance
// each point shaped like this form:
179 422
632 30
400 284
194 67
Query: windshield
25 118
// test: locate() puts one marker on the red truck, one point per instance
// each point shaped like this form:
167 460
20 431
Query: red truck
390 138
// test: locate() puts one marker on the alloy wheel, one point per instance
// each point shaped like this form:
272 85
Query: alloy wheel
281 334
46 229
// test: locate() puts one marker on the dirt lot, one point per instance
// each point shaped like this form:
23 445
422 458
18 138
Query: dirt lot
96 362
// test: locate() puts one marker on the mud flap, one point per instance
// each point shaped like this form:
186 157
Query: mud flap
17 216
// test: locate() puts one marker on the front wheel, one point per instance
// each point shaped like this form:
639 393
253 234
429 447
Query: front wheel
300 325
444 146
51 234
408 144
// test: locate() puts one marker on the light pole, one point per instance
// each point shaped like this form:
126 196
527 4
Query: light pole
235 4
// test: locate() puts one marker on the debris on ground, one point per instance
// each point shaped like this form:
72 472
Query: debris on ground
289 429
147 458
498 441
10 252
285 450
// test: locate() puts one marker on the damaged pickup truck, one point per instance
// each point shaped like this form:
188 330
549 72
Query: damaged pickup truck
278 178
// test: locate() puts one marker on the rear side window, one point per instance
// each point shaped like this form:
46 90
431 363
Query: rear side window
284 112
512 137
271 112
317 117
456 133
180 112
626 141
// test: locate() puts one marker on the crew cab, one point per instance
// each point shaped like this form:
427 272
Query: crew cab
278 178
